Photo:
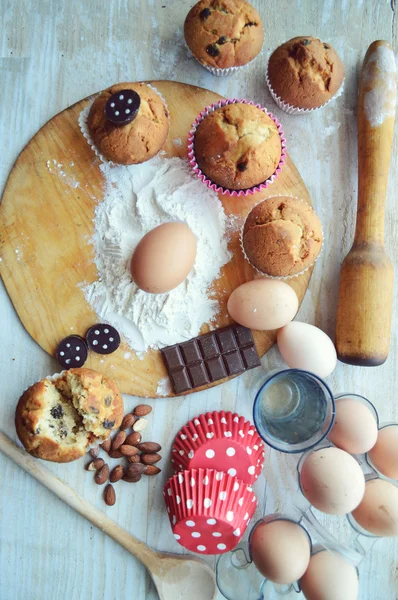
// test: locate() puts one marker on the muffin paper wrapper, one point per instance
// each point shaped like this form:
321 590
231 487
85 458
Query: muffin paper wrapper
218 72
202 176
223 441
83 119
280 277
209 510
294 110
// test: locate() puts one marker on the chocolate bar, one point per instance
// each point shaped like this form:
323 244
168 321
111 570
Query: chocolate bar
210 357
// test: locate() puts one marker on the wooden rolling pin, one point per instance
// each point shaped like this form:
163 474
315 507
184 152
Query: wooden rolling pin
366 282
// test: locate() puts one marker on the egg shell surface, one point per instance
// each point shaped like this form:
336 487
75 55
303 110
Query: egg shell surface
280 550
384 454
332 481
306 347
329 577
355 427
378 511
263 304
163 258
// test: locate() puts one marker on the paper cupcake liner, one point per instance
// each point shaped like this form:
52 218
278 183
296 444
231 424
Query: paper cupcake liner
223 441
209 510
202 176
294 110
218 72
83 118
280 277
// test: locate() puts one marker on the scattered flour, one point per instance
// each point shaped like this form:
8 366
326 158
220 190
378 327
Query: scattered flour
137 199
164 387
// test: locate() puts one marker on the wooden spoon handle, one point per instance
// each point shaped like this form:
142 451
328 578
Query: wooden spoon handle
376 114
141 551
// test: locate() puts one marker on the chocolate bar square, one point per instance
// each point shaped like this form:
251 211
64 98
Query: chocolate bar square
233 362
226 340
191 353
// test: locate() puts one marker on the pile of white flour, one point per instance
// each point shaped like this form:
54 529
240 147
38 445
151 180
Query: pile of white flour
137 199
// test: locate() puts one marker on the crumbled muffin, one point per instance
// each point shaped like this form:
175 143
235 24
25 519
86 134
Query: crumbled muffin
140 139
56 419
237 146
305 72
224 33
282 236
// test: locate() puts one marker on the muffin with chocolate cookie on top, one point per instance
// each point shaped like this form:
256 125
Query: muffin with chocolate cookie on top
223 35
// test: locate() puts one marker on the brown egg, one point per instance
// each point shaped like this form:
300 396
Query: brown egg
355 427
280 550
384 454
329 577
163 258
378 511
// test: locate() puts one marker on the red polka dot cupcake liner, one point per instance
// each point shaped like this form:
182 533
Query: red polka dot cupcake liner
213 186
223 441
209 511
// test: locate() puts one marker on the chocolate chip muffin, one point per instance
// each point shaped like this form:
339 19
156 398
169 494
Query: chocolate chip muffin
223 33
237 146
305 72
282 236
56 419
130 141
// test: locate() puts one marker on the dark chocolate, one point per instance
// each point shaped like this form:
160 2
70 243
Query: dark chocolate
122 107
210 357
72 352
103 338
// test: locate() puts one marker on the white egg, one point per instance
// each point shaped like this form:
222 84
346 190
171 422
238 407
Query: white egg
306 347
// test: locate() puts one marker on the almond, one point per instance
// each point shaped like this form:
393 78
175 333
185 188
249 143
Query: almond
102 475
94 451
127 450
149 447
109 495
150 459
135 469
132 479
118 440
140 425
95 464
127 422
133 439
142 410
106 445
116 474
152 470
134 459
115 454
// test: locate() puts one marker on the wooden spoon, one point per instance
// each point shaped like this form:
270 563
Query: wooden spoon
366 281
176 577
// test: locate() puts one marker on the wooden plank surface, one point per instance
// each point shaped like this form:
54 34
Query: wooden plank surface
55 250
53 53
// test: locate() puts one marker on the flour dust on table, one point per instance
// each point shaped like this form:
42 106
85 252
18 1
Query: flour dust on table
138 198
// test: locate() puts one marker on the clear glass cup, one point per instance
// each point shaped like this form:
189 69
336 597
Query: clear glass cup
293 410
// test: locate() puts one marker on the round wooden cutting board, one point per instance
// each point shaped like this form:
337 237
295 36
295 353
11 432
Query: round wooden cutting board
46 222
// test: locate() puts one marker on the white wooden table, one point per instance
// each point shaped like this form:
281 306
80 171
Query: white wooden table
54 52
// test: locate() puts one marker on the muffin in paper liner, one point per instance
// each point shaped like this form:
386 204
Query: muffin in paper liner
218 72
83 118
215 187
280 277
223 441
295 110
209 510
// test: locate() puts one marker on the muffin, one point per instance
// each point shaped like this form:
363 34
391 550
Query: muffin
304 73
282 236
126 128
223 34
237 146
56 419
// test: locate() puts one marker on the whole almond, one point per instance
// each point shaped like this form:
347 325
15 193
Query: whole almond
152 470
106 445
134 459
109 495
94 452
102 475
150 459
116 474
95 464
131 479
115 454
149 447
127 450
118 440
134 438
142 410
140 425
135 469
127 422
